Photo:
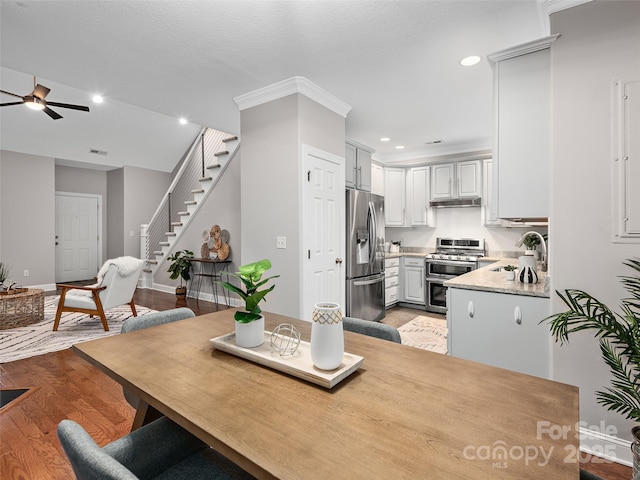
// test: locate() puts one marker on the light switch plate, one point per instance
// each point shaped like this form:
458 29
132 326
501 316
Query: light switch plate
281 242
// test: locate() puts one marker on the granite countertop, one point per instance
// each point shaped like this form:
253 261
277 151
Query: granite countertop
405 254
487 280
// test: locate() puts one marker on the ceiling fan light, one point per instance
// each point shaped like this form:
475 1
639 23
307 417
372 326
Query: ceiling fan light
34 103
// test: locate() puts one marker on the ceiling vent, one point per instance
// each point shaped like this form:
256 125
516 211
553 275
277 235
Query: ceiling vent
95 151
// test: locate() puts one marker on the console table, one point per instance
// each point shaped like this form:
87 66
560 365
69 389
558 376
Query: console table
21 309
212 269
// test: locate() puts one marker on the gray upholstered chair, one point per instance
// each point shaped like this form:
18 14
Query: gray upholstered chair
151 320
373 329
159 450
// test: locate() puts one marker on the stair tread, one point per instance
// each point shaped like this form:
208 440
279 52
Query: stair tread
197 190
158 253
170 234
184 213
229 139
176 224
205 179
217 165
190 202
147 270
154 262
164 244
220 154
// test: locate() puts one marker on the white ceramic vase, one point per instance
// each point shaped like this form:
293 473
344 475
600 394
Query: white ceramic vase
527 269
249 335
327 336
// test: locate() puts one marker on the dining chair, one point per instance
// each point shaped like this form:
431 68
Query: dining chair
117 281
150 320
373 329
158 450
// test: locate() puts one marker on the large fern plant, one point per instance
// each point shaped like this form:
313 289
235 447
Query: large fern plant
619 337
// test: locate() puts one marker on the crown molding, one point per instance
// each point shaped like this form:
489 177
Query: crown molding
288 87
523 49
553 6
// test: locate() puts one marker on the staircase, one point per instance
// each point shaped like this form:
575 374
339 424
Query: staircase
202 166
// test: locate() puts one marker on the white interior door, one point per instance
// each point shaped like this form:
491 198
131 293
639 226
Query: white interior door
77 222
324 229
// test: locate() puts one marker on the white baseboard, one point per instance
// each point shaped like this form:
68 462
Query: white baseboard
607 447
207 297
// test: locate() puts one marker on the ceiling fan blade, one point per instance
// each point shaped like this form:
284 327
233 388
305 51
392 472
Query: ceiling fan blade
9 93
51 113
40 91
67 105
10 103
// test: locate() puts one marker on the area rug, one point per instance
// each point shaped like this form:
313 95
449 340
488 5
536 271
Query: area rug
425 332
39 338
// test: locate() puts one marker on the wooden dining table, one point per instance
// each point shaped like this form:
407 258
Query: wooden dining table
405 413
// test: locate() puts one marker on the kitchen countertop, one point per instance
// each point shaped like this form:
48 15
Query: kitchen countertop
489 281
405 254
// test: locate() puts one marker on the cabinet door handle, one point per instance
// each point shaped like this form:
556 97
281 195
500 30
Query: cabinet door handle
471 309
517 315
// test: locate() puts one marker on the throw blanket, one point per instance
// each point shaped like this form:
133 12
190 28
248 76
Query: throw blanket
126 266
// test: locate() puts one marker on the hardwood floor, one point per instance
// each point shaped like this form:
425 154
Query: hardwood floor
62 385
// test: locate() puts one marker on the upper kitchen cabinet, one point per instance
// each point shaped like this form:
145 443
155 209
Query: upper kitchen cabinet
377 179
394 197
456 180
522 95
357 172
417 203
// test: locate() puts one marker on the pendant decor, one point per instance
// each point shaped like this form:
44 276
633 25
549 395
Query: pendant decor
327 336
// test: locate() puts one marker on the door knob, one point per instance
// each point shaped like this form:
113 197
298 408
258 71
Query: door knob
338 260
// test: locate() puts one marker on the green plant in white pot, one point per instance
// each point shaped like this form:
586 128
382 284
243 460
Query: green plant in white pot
249 322
619 338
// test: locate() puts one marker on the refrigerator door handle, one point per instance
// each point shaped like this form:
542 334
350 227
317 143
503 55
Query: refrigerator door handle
373 233
360 283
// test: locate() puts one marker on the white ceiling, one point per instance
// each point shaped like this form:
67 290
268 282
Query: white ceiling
395 63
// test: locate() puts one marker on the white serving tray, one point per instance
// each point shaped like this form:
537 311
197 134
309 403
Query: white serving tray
299 365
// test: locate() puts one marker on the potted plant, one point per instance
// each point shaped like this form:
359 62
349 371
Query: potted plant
511 272
619 338
250 323
180 268
531 241
4 273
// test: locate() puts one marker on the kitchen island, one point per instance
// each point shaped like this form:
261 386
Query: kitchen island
499 322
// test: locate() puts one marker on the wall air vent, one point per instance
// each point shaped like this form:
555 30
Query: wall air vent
95 151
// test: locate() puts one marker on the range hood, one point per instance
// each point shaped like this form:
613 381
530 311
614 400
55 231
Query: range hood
456 202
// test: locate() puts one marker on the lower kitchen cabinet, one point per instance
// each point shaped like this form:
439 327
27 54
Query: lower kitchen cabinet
413 280
391 281
500 329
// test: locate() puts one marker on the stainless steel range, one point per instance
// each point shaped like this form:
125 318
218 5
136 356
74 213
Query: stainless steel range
453 257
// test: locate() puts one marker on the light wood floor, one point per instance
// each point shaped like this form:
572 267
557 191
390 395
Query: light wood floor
64 386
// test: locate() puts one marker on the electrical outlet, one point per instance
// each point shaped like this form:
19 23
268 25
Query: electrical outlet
26 273
281 242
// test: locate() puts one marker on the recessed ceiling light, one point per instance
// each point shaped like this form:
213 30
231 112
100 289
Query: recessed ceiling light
385 139
97 99
399 147
183 121
470 61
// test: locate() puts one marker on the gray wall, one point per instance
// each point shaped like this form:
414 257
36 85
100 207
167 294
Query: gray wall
272 135
143 191
27 215
115 213
84 180
599 40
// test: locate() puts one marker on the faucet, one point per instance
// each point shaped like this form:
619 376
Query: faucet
545 257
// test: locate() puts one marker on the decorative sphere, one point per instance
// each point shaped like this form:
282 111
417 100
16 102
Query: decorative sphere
285 339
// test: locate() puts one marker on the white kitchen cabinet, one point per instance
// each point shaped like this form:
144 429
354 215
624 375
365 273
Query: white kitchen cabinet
413 278
391 281
522 94
357 172
377 179
500 329
489 197
456 180
394 197
417 203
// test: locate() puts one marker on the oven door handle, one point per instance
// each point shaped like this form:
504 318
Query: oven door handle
462 263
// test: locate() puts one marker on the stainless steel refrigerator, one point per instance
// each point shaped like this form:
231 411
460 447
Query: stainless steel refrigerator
365 255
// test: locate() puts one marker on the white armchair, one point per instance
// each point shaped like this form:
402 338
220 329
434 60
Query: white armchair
117 280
